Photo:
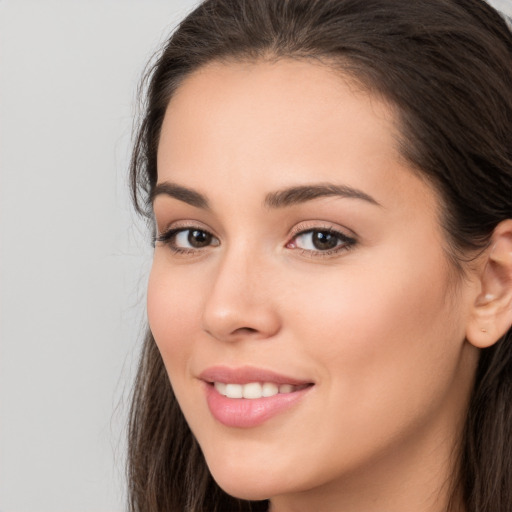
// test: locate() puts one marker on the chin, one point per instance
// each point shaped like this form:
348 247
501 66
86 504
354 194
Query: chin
245 493
252 484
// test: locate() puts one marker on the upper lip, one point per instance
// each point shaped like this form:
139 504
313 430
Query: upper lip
247 374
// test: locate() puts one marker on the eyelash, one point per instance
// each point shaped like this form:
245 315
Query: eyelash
168 239
345 242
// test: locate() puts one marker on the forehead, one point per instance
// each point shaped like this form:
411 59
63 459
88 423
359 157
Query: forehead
267 125
286 96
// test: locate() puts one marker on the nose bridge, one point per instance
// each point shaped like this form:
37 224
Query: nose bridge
239 302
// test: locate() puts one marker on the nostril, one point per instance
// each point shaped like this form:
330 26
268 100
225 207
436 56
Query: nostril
245 330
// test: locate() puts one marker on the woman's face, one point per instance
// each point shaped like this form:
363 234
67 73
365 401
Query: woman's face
298 254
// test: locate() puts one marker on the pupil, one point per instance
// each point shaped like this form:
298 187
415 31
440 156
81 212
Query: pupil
198 238
323 240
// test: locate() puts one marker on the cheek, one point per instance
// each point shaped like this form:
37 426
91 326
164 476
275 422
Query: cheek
388 338
173 314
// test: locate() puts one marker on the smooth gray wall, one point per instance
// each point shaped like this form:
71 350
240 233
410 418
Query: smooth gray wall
73 261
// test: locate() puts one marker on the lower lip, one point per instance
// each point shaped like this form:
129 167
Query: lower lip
245 412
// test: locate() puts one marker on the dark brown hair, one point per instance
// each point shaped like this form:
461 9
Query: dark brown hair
446 66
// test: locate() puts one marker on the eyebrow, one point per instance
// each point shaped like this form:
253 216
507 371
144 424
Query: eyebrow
304 193
279 199
187 195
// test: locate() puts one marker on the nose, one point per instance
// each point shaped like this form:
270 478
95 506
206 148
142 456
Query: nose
240 304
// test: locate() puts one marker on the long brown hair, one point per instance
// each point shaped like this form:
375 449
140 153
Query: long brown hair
446 65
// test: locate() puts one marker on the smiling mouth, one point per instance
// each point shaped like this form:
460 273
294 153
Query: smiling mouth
247 397
255 390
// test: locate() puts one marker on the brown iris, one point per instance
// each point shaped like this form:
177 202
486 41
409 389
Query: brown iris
323 240
198 239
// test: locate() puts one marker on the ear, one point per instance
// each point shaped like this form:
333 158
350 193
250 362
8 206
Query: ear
492 310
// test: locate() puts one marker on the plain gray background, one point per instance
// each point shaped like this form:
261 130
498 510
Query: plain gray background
73 258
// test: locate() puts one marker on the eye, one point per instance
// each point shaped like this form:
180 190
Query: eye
187 239
321 241
192 238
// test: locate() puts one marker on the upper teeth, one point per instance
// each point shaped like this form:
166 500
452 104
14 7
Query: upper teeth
253 389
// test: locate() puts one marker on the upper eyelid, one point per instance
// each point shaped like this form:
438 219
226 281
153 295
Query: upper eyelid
167 238
334 232
183 225
178 229
308 227
347 239
299 229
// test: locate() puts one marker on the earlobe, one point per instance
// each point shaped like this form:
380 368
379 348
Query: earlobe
492 311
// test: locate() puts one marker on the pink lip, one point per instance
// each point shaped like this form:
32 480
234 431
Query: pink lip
247 374
247 413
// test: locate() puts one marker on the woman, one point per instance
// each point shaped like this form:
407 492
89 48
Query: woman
330 188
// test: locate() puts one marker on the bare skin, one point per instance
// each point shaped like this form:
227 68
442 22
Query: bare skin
351 291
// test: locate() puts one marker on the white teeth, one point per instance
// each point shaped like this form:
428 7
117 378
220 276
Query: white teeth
221 388
285 388
253 390
234 390
270 389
